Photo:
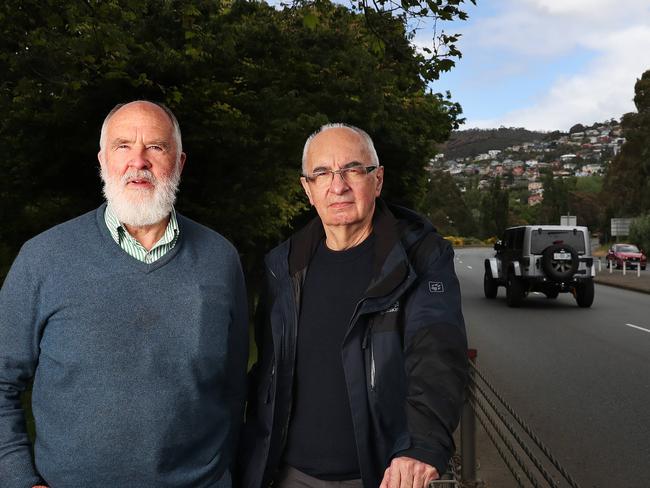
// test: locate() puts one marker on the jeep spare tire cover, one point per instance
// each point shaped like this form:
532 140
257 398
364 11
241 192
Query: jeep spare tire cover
559 262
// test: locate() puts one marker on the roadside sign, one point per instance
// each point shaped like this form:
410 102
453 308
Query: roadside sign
621 227
568 220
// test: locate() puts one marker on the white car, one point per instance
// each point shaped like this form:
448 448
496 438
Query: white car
551 259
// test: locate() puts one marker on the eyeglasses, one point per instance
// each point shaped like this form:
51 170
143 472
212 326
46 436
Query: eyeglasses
351 175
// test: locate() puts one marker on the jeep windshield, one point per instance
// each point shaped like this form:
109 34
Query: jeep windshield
540 239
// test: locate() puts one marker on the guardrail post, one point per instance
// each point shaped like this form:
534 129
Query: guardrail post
611 265
600 265
468 429
624 267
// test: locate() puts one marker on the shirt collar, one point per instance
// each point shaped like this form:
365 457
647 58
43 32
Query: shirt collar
119 232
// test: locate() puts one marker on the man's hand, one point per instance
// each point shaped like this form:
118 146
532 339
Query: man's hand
406 472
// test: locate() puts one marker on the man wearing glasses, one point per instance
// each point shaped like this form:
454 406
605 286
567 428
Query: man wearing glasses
362 349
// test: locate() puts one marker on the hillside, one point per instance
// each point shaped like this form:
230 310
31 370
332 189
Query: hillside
472 142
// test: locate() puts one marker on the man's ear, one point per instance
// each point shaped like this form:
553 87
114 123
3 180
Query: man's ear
181 161
305 186
380 180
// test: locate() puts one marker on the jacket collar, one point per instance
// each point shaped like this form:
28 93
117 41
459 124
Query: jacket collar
391 265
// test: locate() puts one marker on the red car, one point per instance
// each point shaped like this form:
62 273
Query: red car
629 254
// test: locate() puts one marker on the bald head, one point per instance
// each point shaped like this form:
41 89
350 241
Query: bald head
144 105
364 140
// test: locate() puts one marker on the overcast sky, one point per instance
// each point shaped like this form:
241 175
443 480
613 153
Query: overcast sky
548 64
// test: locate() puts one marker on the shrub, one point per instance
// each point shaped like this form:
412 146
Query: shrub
455 241
640 232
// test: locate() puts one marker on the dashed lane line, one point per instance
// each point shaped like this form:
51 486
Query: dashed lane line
637 327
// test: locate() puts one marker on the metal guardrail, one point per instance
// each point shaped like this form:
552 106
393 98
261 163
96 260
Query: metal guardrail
529 461
450 479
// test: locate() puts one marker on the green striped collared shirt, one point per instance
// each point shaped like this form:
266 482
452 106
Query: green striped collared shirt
132 247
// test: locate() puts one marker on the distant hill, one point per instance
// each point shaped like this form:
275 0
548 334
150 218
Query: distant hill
464 143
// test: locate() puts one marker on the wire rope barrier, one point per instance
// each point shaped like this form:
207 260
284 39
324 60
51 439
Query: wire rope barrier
505 429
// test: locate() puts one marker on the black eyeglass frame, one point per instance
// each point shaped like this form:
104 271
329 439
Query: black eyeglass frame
342 172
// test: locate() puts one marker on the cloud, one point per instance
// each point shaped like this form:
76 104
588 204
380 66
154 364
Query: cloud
534 34
604 90
603 9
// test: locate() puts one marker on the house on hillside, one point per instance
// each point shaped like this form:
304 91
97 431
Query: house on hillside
592 169
569 166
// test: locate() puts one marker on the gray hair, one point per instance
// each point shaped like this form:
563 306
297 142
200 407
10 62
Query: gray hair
370 146
164 108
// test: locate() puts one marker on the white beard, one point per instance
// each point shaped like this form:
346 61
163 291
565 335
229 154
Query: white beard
140 207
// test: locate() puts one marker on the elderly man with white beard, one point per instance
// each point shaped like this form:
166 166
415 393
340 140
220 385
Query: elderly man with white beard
131 320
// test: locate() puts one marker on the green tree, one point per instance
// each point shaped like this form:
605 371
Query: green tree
556 198
446 208
494 210
627 182
587 208
248 83
441 54
640 232
520 212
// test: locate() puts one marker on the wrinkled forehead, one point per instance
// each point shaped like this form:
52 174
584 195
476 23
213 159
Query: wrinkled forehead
142 117
337 147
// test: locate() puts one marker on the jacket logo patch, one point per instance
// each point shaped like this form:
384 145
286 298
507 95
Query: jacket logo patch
436 287
393 308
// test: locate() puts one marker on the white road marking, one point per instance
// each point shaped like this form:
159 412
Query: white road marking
637 327
469 267
460 261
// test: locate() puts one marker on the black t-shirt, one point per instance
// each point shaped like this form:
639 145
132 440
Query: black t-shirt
321 436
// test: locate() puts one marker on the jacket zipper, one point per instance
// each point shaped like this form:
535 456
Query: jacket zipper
372 366
291 342
365 344
268 393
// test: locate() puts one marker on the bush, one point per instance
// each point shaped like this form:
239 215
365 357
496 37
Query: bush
640 232
455 241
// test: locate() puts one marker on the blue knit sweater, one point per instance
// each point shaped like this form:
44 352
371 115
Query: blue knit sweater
139 369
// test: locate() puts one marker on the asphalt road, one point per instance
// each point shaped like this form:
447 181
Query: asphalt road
579 377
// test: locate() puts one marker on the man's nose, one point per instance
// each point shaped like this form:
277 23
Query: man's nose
139 158
338 185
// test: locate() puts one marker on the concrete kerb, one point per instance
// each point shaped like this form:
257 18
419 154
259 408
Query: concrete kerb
630 281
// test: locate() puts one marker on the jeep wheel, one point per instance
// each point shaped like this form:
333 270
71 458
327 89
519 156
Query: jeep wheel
490 287
515 292
559 262
584 293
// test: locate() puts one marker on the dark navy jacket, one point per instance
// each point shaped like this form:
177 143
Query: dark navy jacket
404 355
